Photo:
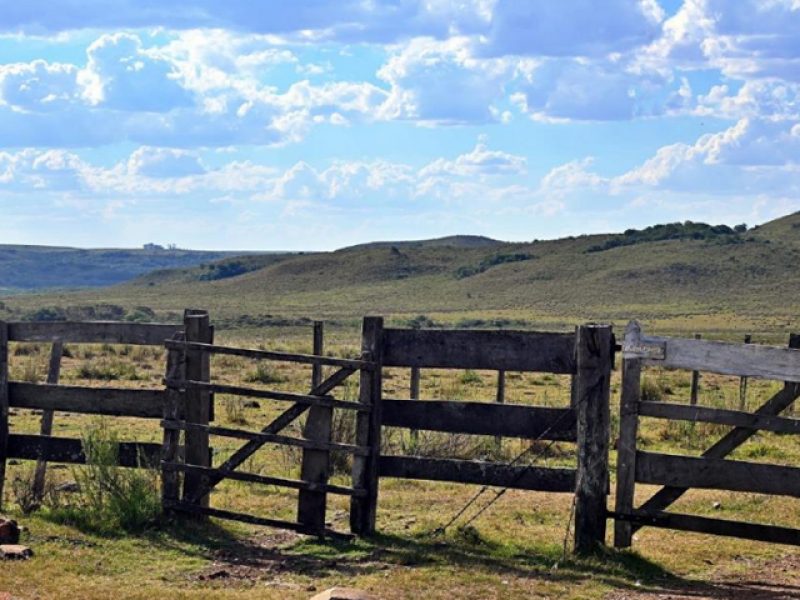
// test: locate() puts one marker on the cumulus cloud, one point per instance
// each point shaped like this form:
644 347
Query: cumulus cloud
164 163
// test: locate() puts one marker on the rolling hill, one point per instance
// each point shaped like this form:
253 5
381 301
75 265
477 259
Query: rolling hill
687 276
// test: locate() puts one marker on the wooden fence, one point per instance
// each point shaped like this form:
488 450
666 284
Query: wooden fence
52 397
710 470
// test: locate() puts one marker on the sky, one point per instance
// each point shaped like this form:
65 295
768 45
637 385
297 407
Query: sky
315 124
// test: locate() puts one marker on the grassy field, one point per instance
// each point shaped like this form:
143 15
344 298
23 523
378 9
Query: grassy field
514 550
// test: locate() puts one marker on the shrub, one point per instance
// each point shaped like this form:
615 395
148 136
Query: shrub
470 377
108 370
263 373
110 499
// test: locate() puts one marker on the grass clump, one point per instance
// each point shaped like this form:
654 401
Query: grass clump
264 373
108 370
110 499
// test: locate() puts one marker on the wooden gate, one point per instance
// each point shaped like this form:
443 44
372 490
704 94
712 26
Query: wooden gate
709 470
195 389
586 355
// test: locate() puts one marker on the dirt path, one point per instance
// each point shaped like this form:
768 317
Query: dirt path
772 580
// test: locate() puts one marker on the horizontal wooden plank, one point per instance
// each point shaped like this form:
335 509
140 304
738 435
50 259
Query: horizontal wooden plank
708 473
481 418
253 520
119 402
741 360
467 349
481 473
234 390
267 437
92 332
67 450
309 359
263 479
737 529
705 414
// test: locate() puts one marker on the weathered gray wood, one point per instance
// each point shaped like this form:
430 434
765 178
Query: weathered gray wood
482 418
198 410
719 416
315 467
46 426
253 520
716 474
280 422
92 332
266 438
67 450
500 398
757 361
732 440
743 381
296 484
592 390
308 359
170 480
482 473
118 402
695 386
737 529
235 390
363 510
493 350
626 446
4 435
414 395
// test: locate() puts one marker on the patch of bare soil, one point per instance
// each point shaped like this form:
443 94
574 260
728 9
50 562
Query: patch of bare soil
772 580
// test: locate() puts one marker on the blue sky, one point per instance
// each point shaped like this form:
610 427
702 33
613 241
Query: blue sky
317 124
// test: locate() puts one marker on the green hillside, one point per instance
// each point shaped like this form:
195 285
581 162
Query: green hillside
687 276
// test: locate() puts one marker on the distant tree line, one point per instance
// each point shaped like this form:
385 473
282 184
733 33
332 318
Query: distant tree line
688 230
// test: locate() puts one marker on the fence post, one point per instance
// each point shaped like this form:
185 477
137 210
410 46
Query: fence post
198 403
414 394
311 505
363 509
3 404
500 399
592 391
170 478
46 427
748 339
628 430
695 389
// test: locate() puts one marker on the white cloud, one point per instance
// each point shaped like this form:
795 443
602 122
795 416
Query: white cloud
164 163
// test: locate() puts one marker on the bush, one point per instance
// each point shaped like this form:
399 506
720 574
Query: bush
263 373
110 499
109 370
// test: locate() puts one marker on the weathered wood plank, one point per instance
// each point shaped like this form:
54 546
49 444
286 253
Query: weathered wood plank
737 476
626 446
738 529
594 348
46 426
266 437
67 450
170 480
308 359
118 402
494 350
719 416
480 473
234 390
363 511
296 484
732 440
750 360
694 388
92 332
482 418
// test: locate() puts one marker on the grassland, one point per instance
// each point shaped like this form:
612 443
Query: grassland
514 550
722 286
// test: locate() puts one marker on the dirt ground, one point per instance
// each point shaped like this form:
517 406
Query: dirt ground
772 580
